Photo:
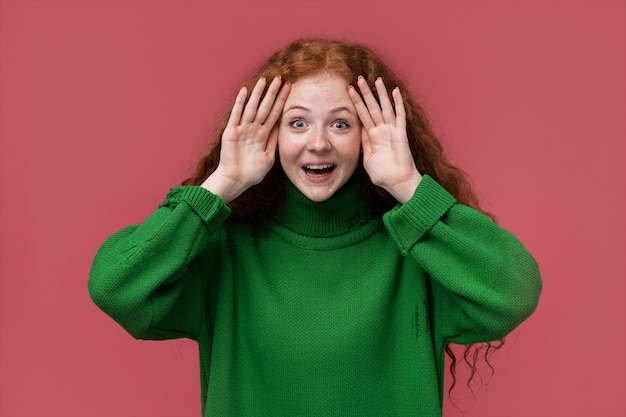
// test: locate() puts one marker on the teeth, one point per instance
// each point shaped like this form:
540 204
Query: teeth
319 166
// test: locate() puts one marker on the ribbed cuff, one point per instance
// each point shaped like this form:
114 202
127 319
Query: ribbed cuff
409 222
208 206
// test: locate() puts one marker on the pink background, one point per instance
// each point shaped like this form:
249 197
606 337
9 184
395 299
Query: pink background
104 105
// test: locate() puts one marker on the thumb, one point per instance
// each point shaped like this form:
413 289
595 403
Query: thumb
366 143
272 141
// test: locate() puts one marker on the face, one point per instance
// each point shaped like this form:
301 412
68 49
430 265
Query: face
319 136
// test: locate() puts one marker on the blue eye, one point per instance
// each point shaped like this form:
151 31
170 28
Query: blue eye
297 123
340 124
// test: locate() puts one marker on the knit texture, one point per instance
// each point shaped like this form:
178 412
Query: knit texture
324 309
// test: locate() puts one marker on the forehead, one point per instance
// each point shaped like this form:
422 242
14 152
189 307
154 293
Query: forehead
322 87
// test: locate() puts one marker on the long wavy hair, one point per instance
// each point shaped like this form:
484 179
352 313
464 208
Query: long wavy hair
307 57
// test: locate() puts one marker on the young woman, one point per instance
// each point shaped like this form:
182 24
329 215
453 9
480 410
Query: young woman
325 252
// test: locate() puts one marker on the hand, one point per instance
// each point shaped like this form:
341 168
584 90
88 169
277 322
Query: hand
386 155
249 141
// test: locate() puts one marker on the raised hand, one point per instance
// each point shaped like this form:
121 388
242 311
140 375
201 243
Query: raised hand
386 154
249 140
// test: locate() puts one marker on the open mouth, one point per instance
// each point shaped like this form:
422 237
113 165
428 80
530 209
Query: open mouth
318 170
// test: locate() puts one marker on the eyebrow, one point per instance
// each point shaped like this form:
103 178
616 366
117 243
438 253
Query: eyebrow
333 110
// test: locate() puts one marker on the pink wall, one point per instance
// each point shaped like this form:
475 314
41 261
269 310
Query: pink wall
104 105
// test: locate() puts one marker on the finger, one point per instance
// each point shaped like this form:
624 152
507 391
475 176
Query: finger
400 111
361 109
253 102
268 101
279 103
372 105
235 113
387 110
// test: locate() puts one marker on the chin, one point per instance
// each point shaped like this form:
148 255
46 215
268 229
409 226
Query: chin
318 196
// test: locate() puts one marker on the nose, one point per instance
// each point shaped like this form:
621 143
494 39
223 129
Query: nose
319 141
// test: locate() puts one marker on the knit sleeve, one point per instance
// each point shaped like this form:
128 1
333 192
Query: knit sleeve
484 283
147 277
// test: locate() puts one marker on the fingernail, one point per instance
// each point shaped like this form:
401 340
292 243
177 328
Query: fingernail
361 77
278 76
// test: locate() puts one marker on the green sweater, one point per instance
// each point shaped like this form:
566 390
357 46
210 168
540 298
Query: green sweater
324 309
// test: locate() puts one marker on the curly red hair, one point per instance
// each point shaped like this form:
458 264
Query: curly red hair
311 56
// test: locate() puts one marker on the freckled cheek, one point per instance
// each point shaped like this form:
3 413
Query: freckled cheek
354 147
354 152
283 144
287 153
290 144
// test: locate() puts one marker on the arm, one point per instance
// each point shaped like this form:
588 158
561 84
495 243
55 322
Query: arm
484 283
145 276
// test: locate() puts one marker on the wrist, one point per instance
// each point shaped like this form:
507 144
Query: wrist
403 191
223 186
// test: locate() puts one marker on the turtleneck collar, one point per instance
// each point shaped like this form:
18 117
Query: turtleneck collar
344 212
